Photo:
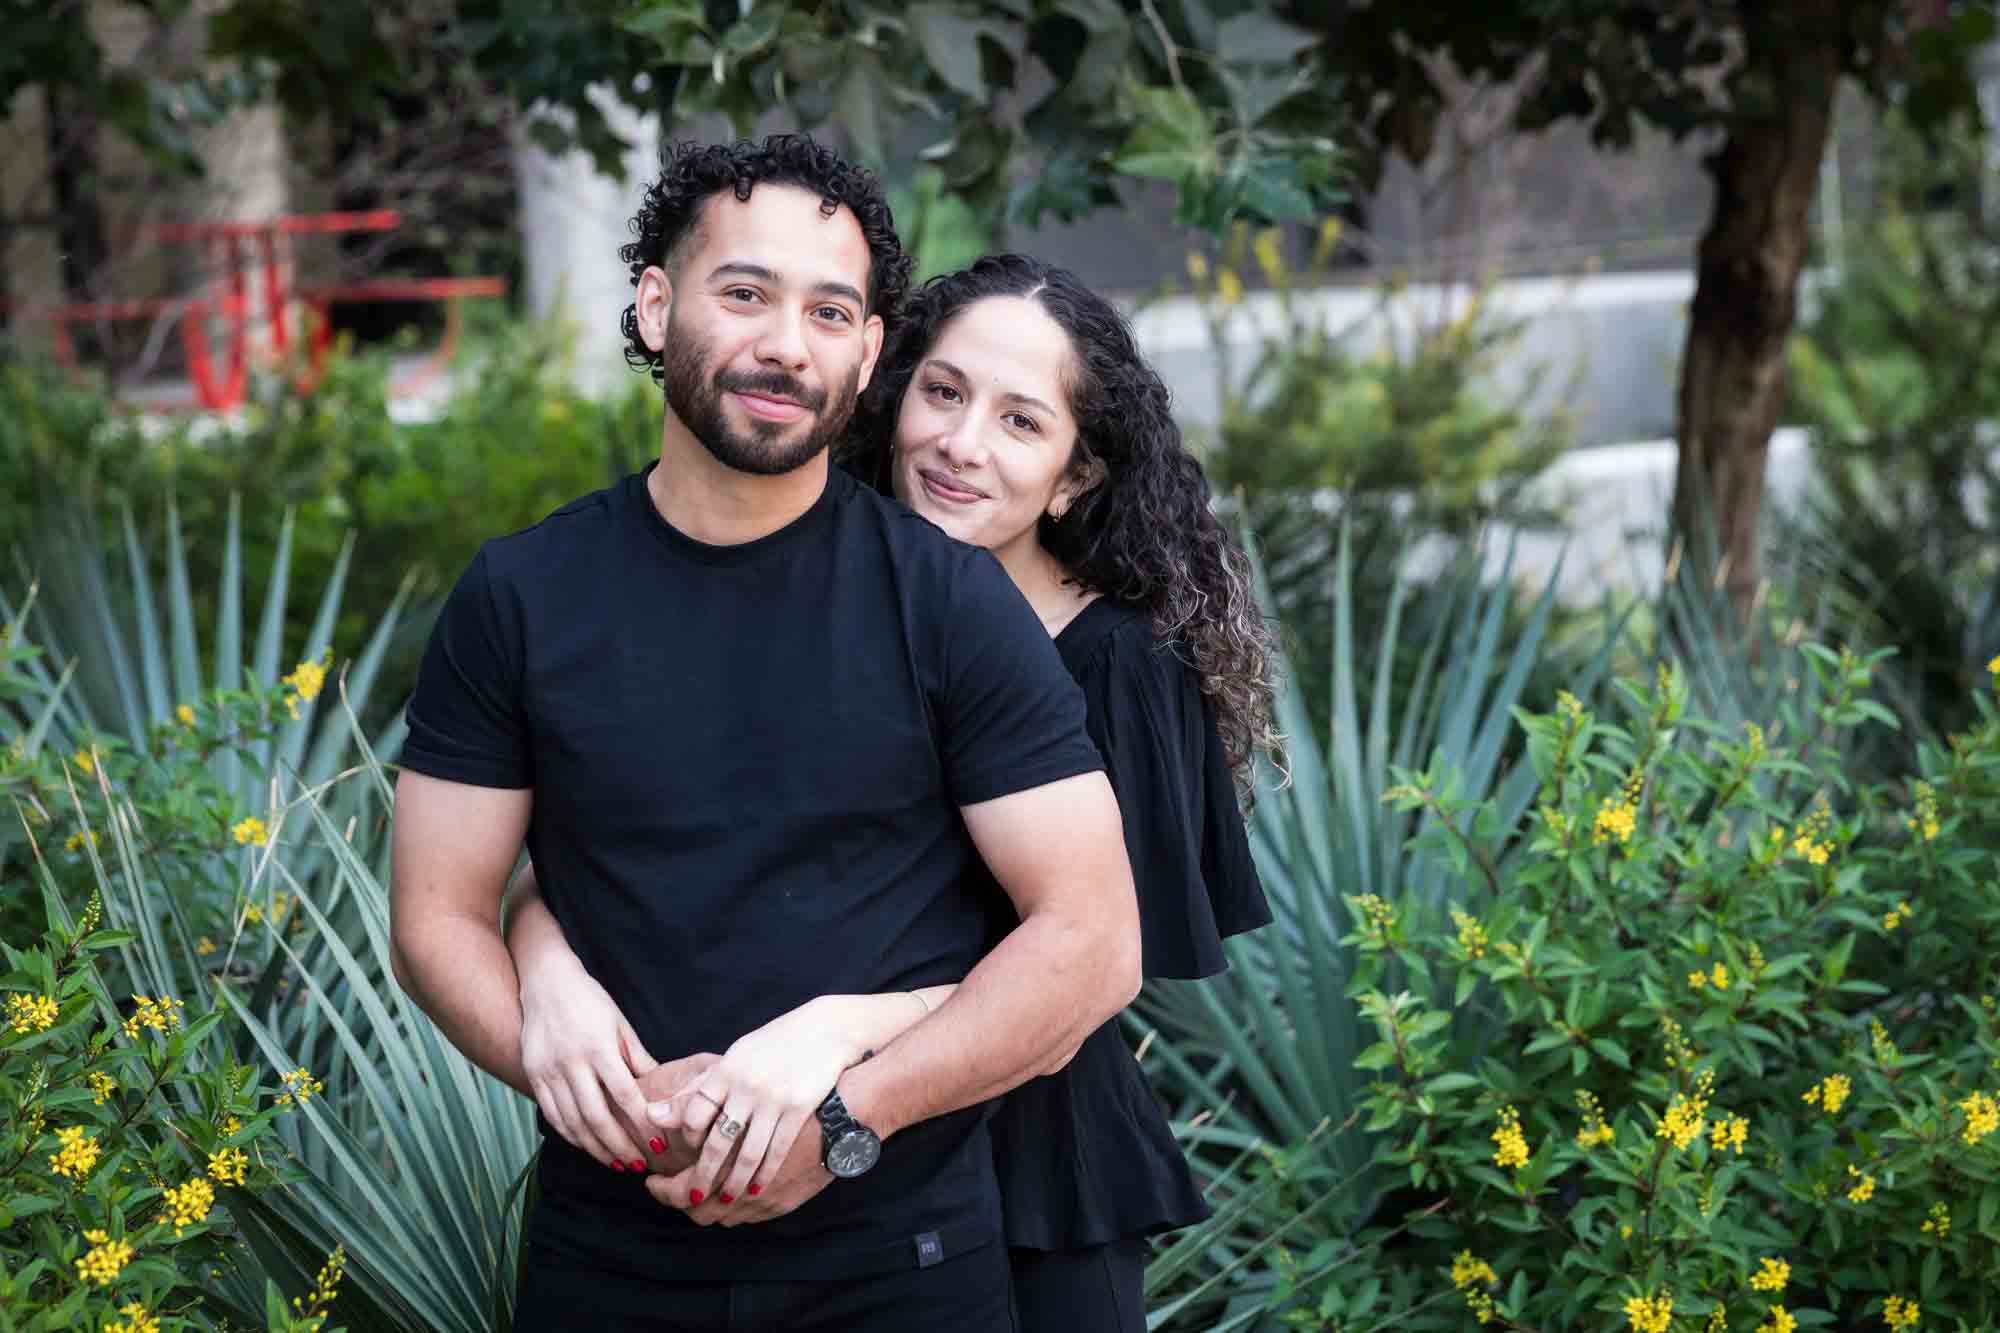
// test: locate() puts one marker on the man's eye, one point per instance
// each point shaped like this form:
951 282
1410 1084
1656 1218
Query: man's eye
833 312
741 293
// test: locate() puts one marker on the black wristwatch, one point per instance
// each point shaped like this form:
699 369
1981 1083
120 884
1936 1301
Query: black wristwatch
847 1147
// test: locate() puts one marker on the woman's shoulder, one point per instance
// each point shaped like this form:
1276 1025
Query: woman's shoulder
1114 641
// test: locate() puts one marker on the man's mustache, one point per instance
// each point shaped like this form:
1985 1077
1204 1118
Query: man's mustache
770 384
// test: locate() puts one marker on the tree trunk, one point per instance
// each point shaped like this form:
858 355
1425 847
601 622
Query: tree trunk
1746 287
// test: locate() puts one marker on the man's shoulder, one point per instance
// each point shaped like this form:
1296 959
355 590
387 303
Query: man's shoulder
912 541
540 547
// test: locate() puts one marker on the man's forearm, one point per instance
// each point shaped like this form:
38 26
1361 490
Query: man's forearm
1020 1013
458 971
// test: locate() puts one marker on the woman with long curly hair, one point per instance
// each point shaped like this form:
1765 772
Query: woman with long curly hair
1012 408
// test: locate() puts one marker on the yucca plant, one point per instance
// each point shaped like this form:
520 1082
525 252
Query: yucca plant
1258 1064
410 1158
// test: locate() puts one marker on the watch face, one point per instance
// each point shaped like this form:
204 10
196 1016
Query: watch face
853 1152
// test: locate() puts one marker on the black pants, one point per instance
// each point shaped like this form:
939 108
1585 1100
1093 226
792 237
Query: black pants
965 1294
1096 1290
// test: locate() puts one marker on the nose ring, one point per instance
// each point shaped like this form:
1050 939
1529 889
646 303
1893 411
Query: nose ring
957 468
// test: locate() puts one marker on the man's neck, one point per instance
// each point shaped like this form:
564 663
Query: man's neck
701 497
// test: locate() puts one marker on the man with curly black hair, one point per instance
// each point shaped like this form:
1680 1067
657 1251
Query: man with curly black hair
768 737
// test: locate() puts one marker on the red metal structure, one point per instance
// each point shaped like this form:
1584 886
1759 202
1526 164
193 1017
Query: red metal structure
238 249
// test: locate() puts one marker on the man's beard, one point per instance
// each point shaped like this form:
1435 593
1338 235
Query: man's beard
696 399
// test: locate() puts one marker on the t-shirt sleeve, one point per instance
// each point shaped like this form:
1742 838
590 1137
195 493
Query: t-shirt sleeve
466 719
1183 829
1010 717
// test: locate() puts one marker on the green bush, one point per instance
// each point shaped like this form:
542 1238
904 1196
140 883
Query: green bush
120 1129
1897 378
1396 436
514 441
1717 1048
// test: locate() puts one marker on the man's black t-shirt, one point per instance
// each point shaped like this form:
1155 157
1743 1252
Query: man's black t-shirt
747 764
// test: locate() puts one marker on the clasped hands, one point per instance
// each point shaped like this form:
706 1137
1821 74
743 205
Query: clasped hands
600 1090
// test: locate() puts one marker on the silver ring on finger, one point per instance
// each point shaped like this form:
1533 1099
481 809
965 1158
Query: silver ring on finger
726 1127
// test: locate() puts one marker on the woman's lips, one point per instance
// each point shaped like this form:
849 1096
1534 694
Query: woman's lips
771 409
947 491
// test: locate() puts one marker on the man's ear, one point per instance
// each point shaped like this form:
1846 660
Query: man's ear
652 305
871 348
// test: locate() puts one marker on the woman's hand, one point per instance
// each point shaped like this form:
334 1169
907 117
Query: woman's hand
769 1083
583 1060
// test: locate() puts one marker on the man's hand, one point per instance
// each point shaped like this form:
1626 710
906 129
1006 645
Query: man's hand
799 1178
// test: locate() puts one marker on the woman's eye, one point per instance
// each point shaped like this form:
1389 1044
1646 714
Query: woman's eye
1021 422
941 391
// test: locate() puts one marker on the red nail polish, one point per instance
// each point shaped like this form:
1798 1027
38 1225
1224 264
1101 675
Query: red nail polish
755 1190
637 1165
617 1165
657 1145
729 1198
696 1196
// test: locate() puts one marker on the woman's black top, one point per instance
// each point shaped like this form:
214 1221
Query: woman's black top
1085 1156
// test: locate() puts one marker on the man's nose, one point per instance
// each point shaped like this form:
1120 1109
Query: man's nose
783 342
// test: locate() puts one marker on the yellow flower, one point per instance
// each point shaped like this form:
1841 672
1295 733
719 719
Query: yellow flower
185 714
1863 1188
1697 980
230 1127
105 1260
1650 1314
1468 1269
1197 266
1994 668
102 1085
1513 1145
1378 914
188 1204
162 1015
312 1310
1829 1094
136 1321
1982 1117
251 832
1687 1116
1269 252
31 1013
75 842
308 678
1615 819
1720 975
1729 1132
1781 1322
1228 287
1471 935
83 761
1596 1130
1771 1275
76 1153
292 706
300 1087
1924 823
228 1166
1939 1222
1896 916
1898 1312
205 946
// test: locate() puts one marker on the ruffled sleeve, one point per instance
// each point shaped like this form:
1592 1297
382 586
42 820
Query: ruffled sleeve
1183 829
